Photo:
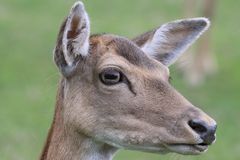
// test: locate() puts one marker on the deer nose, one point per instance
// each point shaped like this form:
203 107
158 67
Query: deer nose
206 131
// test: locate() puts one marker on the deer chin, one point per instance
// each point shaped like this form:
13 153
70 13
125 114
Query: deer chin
145 148
184 149
158 147
188 149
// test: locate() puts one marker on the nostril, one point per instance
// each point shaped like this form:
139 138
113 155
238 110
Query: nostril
205 131
198 126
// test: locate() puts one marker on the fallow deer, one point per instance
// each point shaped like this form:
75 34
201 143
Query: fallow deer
196 67
115 93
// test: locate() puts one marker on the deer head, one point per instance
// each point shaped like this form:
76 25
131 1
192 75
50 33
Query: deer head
117 90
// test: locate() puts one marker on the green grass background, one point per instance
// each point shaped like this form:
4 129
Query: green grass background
28 76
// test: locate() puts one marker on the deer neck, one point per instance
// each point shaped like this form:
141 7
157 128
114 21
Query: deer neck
66 143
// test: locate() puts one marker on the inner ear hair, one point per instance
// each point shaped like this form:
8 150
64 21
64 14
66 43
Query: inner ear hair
73 40
169 41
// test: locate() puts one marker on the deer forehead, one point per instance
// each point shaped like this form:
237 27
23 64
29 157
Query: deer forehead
119 51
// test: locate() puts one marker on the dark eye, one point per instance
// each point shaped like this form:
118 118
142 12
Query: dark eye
110 76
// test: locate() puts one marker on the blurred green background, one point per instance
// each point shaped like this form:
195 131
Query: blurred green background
28 76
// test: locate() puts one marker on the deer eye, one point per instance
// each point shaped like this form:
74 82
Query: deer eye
110 76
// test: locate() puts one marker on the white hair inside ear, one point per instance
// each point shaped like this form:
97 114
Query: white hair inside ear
76 34
170 40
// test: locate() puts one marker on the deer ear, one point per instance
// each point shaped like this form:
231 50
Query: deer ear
73 39
170 40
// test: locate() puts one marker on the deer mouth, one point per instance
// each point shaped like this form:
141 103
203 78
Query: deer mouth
188 148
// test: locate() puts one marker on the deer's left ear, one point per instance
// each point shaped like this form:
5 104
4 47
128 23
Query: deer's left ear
169 41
